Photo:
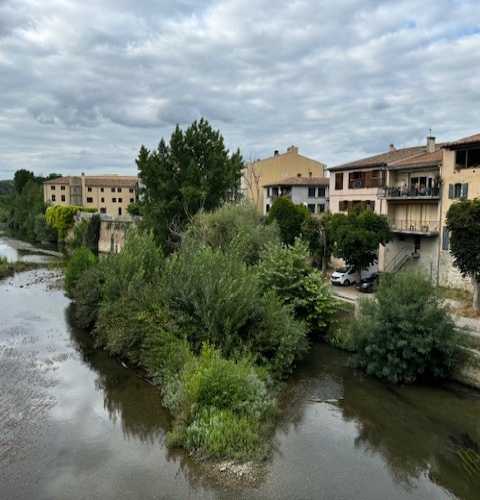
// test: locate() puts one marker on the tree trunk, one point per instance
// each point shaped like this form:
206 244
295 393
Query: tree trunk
476 293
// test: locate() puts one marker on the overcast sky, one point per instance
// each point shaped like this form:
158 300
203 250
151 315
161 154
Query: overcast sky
83 83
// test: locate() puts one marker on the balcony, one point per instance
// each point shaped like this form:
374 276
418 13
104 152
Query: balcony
422 228
403 193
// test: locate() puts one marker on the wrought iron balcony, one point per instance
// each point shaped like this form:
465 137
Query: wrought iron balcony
405 193
424 227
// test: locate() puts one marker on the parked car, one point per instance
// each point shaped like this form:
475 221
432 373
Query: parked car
368 284
345 276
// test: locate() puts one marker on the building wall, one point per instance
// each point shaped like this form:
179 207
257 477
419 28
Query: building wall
299 196
347 194
449 275
113 231
79 192
271 170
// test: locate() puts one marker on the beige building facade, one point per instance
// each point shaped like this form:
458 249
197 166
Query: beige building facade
413 187
268 171
109 194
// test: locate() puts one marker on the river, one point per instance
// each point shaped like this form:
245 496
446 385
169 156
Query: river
75 424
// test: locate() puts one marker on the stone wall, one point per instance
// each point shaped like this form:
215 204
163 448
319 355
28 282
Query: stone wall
113 231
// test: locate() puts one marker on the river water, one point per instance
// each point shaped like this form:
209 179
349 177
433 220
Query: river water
75 424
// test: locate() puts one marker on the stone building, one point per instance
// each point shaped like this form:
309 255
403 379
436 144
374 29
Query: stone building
109 194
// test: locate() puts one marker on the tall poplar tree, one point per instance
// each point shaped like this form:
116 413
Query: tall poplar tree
193 172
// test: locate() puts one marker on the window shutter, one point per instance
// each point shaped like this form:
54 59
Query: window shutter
450 191
445 239
465 190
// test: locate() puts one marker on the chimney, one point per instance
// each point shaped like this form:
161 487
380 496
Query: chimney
292 149
392 147
430 144
276 152
83 173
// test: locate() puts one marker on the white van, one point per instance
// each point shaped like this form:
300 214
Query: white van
345 276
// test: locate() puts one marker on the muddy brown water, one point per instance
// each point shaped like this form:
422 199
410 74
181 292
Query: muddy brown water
75 424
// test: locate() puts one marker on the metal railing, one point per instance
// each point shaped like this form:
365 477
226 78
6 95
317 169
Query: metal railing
398 192
414 226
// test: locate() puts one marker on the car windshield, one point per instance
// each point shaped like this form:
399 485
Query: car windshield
342 270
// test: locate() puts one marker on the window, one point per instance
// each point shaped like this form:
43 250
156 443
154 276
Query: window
320 208
119 190
101 190
311 192
130 190
445 239
346 206
339 181
53 197
275 191
89 200
467 158
62 188
120 200
103 210
114 200
113 190
370 205
267 208
321 192
356 180
89 189
102 200
119 210
132 200
369 179
63 197
343 206
311 208
458 190
52 188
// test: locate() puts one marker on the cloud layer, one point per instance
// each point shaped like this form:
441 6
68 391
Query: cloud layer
83 83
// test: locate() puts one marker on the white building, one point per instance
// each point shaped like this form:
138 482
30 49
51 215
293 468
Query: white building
312 192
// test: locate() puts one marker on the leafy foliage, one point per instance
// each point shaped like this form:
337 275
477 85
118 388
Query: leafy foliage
86 233
289 217
355 236
81 260
61 218
193 172
406 333
287 271
463 222
236 228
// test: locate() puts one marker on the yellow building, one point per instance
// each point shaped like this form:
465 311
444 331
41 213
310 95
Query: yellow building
461 180
109 194
271 170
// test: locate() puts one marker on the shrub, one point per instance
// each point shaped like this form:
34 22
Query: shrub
222 409
233 227
81 260
61 218
289 217
406 333
287 271
214 297
86 233
87 294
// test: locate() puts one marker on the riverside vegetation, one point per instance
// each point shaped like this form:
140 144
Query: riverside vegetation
217 325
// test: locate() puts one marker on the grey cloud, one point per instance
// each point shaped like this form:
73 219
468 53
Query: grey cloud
84 83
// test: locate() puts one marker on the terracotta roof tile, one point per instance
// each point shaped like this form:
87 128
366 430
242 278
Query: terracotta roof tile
466 140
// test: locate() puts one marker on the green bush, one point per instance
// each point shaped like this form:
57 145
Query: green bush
87 294
287 270
222 407
86 233
405 333
61 218
234 228
289 217
216 298
81 260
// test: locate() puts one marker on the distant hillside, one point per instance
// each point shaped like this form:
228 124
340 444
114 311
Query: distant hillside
6 187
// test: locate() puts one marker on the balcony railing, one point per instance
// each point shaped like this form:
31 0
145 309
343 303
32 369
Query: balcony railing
425 227
398 193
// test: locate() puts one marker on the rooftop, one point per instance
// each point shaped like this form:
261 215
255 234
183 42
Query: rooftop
301 181
471 139
97 180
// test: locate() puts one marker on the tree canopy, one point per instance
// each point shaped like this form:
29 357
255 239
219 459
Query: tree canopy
355 236
193 172
289 217
463 222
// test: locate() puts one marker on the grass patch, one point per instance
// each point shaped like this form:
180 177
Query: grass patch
340 333
454 294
